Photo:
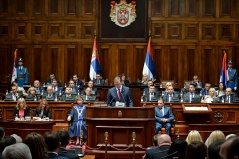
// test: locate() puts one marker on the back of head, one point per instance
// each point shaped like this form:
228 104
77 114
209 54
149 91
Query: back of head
6 141
164 139
17 151
215 135
194 135
214 149
18 138
64 137
180 147
52 141
196 150
233 149
37 145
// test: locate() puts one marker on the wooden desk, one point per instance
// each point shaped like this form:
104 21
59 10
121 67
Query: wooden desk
88 157
23 128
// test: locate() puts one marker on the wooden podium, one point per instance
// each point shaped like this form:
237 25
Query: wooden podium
120 122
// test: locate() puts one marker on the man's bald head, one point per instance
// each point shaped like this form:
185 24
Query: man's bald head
164 139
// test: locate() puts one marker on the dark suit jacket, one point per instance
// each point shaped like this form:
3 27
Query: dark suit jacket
75 90
54 156
9 97
101 83
224 97
94 92
46 113
147 97
184 90
146 90
126 97
156 153
78 83
48 81
64 153
186 97
59 89
16 112
39 90
204 92
174 96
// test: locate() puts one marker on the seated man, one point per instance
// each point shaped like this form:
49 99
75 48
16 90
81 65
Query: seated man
94 91
205 91
78 82
49 95
88 96
228 97
98 80
164 117
68 96
38 88
20 90
50 80
74 89
152 96
146 90
171 96
191 96
56 89
14 95
196 82
186 88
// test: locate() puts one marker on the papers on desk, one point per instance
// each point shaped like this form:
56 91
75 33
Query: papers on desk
197 108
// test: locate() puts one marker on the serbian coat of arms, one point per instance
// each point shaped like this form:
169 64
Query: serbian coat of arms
123 13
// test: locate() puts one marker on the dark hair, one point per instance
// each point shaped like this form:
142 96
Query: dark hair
6 141
37 145
196 150
233 148
180 147
214 149
52 140
2 131
64 137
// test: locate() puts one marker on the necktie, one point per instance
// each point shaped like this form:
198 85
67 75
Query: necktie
99 81
54 88
119 94
161 111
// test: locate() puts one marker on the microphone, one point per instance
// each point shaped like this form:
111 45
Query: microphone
123 96
111 101
131 99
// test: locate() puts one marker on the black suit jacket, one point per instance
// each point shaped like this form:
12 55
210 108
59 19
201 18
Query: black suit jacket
48 81
16 112
101 83
54 156
224 97
156 153
9 97
64 153
46 113
126 97
147 97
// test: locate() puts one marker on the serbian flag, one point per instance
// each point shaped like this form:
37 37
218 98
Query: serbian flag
95 62
14 71
224 74
149 68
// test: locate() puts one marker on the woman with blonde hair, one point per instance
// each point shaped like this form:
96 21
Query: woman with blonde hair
31 94
194 135
43 111
209 98
21 110
144 80
215 135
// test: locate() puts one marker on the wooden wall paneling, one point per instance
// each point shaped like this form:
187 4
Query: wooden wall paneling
158 62
6 31
71 62
192 8
225 31
175 31
21 8
189 61
225 8
104 61
209 8
55 31
85 60
37 8
37 63
157 8
122 60
158 30
22 30
71 31
209 31
174 62
175 8
55 8
72 8
5 60
138 61
113 62
192 31
131 64
39 30
87 30
4 7
89 7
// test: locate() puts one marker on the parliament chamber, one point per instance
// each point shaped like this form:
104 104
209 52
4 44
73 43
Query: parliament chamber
188 37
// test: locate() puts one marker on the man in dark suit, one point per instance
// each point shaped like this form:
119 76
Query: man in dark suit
22 73
38 88
52 141
146 90
151 96
49 94
228 97
50 79
14 95
170 95
164 142
186 88
68 96
56 89
74 88
78 82
64 139
98 80
164 117
205 91
119 93
88 96
94 91
191 96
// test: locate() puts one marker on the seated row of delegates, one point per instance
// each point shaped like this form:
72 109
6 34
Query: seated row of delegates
191 96
99 80
152 95
77 117
22 110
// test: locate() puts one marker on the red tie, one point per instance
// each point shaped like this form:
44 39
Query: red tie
119 94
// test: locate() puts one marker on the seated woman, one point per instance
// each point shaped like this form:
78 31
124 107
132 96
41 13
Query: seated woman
31 94
21 110
209 98
124 79
43 111
221 90
194 135
77 115
144 80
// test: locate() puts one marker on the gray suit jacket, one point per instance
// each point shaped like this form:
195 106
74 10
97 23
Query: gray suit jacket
196 98
126 97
